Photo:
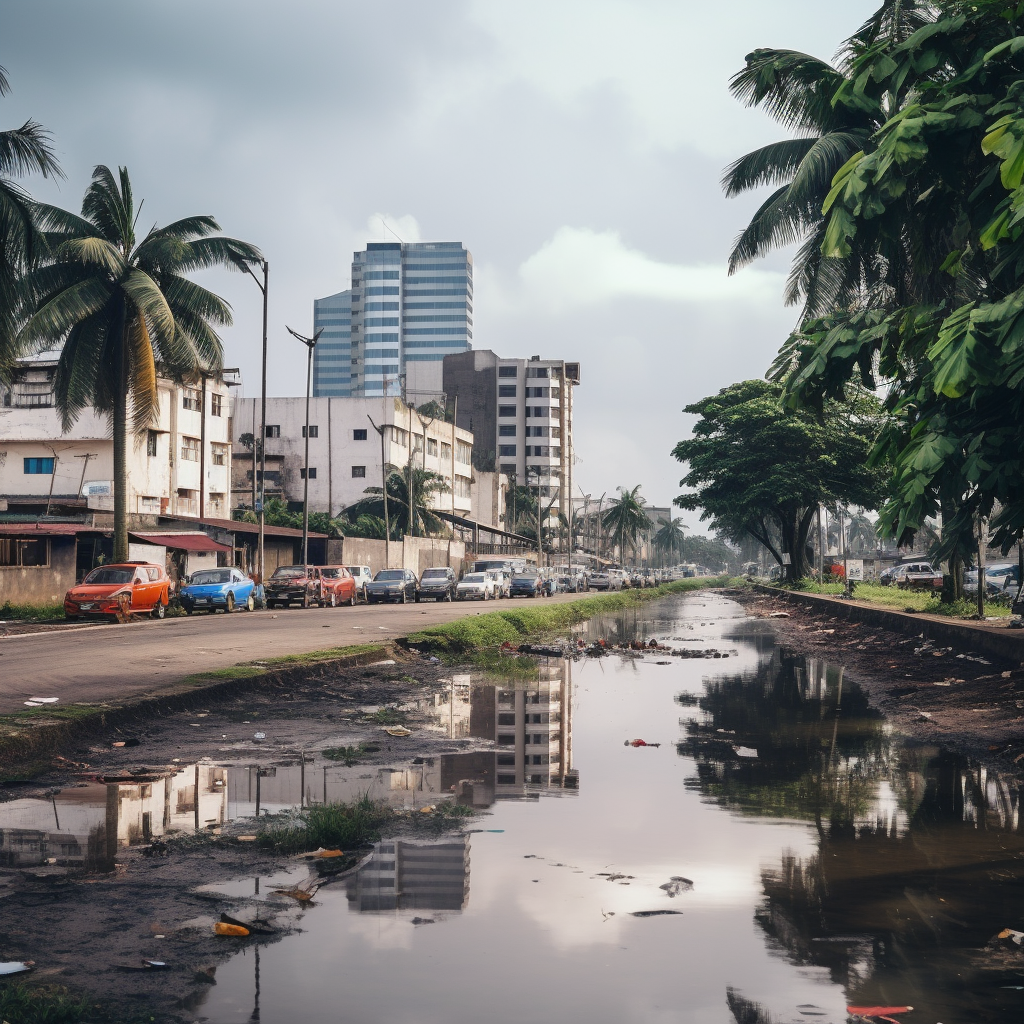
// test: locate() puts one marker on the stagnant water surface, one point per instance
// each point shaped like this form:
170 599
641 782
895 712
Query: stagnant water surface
810 857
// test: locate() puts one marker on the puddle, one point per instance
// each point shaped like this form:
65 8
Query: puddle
775 852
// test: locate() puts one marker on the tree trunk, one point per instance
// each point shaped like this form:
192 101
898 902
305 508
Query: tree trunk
121 459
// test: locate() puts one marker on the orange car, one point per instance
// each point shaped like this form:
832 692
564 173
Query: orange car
338 585
102 592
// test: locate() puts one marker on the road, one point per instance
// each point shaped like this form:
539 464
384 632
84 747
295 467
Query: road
114 662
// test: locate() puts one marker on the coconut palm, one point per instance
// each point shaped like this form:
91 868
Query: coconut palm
120 308
627 519
425 484
669 538
861 533
24 150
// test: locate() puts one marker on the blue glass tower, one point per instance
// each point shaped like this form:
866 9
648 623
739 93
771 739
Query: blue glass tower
332 357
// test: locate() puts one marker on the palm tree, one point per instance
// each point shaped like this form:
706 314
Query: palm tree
425 484
627 519
122 308
23 150
861 533
669 539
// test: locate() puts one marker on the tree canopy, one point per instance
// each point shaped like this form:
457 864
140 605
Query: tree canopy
753 466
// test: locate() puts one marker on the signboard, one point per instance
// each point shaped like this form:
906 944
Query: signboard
785 558
855 569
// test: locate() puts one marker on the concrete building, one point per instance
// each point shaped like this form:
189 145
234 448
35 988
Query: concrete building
181 465
411 305
345 450
332 357
520 412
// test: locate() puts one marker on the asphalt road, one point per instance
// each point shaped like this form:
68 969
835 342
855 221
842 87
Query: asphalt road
114 662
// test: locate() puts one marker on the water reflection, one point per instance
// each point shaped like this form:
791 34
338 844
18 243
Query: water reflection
406 875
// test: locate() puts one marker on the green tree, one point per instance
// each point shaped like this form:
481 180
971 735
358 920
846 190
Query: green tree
122 310
860 533
669 538
752 465
24 150
627 520
425 485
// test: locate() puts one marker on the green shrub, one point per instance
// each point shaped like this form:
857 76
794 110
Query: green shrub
332 826
31 612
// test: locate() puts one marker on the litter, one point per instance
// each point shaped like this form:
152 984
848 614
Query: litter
145 965
237 930
256 927
878 1011
745 751
398 730
259 736
45 700
16 966
297 893
640 743
677 885
422 920
328 853
246 839
1009 933
654 913
778 615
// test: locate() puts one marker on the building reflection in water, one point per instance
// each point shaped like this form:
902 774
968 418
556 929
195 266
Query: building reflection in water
920 858
85 826
409 875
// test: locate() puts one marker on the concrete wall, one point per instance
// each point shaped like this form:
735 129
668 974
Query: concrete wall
416 553
41 584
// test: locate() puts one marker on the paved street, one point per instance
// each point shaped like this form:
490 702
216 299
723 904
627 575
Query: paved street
114 662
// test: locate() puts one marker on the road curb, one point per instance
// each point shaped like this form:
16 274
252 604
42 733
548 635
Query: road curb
1002 643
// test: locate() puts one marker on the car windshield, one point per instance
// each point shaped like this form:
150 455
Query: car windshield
211 576
288 572
101 576
526 576
435 574
474 577
390 575
332 574
356 570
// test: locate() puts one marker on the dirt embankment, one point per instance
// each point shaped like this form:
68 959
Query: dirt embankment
942 694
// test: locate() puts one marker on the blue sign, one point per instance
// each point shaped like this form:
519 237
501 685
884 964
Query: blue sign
259 506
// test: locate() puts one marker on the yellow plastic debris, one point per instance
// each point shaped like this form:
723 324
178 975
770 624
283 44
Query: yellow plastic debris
220 928
328 853
398 730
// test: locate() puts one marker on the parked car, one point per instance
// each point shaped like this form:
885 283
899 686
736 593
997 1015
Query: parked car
362 575
1003 580
438 584
294 583
502 582
210 589
917 575
605 581
397 585
142 586
525 584
570 584
475 586
338 586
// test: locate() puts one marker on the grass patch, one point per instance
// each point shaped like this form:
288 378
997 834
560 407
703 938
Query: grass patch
514 668
51 712
232 672
901 600
47 1004
387 716
327 654
513 625
332 826
349 755
31 612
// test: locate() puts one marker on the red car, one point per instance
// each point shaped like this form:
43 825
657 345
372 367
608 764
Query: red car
139 588
338 585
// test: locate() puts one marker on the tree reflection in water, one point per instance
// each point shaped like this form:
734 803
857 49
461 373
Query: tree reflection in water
920 857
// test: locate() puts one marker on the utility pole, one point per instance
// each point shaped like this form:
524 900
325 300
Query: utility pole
981 566
202 444
85 465
384 491
310 344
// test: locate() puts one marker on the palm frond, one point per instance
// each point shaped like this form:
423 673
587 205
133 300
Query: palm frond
766 166
151 303
54 320
778 221
95 252
232 253
142 384
28 150
60 223
109 210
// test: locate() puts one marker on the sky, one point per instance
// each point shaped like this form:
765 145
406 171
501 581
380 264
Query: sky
574 146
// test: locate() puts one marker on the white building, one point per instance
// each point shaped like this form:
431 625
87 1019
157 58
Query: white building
345 450
181 465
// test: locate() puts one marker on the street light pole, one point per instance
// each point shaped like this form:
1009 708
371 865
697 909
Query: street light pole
384 491
310 344
264 287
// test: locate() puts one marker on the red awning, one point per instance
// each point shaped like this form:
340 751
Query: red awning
183 541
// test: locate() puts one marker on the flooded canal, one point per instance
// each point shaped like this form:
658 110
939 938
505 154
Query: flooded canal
774 852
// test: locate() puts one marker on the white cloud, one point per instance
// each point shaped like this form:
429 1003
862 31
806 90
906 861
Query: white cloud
386 227
582 267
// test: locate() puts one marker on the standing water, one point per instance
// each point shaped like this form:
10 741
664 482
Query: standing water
775 852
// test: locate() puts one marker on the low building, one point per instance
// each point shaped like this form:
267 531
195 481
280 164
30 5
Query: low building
180 465
345 450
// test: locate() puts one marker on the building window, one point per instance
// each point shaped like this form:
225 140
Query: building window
190 449
431 446
509 469
312 473
216 404
506 739
506 391
190 399
506 410
219 454
536 431
273 430
314 430
446 452
358 471
555 431
463 452
37 465
507 430
29 551
216 502
507 371
536 371
507 450
151 436
537 392
359 435
462 487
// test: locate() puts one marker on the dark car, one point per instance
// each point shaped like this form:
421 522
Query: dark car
397 585
525 584
294 583
437 584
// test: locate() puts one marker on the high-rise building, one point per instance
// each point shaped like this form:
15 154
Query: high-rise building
332 357
412 304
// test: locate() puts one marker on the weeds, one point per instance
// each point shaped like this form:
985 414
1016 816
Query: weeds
515 668
332 826
387 716
31 612
901 599
348 755
48 1004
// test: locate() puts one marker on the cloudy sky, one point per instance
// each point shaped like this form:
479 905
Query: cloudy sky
574 146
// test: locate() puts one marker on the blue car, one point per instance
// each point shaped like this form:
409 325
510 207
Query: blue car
210 589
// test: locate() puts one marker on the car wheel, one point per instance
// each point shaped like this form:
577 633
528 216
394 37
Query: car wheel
417 598
250 604
229 604
448 597
352 600
159 610
189 609
405 597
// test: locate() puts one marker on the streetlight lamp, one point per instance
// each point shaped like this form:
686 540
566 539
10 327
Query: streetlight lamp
262 442
310 344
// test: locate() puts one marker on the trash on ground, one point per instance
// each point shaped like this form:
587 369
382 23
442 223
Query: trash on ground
778 615
296 892
653 913
256 927
237 930
16 966
398 730
422 920
1015 936
247 839
878 1011
745 751
640 743
328 853
676 885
